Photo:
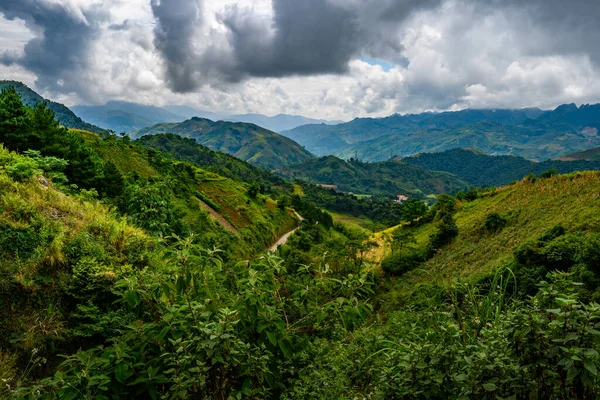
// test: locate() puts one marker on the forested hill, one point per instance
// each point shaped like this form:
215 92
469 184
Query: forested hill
248 142
185 149
587 155
384 178
529 133
482 170
65 116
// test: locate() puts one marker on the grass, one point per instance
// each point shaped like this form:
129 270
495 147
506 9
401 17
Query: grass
531 208
361 223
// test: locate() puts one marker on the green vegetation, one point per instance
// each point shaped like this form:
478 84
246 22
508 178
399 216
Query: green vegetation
482 170
384 178
149 187
148 280
586 155
247 142
65 116
220 163
379 210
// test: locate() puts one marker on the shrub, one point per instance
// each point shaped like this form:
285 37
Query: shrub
400 263
495 222
549 174
447 230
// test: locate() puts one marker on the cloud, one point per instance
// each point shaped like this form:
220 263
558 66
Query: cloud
309 37
178 23
60 48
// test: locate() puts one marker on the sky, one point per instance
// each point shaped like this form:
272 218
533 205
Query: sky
331 59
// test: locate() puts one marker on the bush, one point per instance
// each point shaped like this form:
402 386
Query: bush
400 263
447 231
495 222
549 174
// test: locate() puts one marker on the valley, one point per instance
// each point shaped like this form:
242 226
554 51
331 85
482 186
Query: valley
204 259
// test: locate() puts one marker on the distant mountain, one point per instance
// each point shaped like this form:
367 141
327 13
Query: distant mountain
278 123
323 139
479 169
530 133
64 115
248 142
385 178
121 116
190 112
127 117
587 155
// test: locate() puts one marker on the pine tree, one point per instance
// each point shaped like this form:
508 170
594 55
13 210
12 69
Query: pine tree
15 126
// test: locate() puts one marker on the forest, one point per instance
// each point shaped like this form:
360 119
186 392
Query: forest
117 281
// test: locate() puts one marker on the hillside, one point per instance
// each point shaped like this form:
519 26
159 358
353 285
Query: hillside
530 208
185 149
586 155
65 116
482 170
120 116
247 142
385 178
163 195
529 133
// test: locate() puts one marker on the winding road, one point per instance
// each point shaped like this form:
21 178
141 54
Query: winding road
283 240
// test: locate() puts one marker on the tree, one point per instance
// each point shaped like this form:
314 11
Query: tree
45 128
447 230
149 206
113 182
401 237
413 209
550 173
15 126
253 190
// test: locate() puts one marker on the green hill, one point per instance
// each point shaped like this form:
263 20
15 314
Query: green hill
530 208
482 170
65 116
247 142
586 155
185 149
384 178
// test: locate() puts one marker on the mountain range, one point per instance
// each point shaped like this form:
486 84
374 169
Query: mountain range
479 169
278 123
64 115
529 133
121 116
248 142
587 155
